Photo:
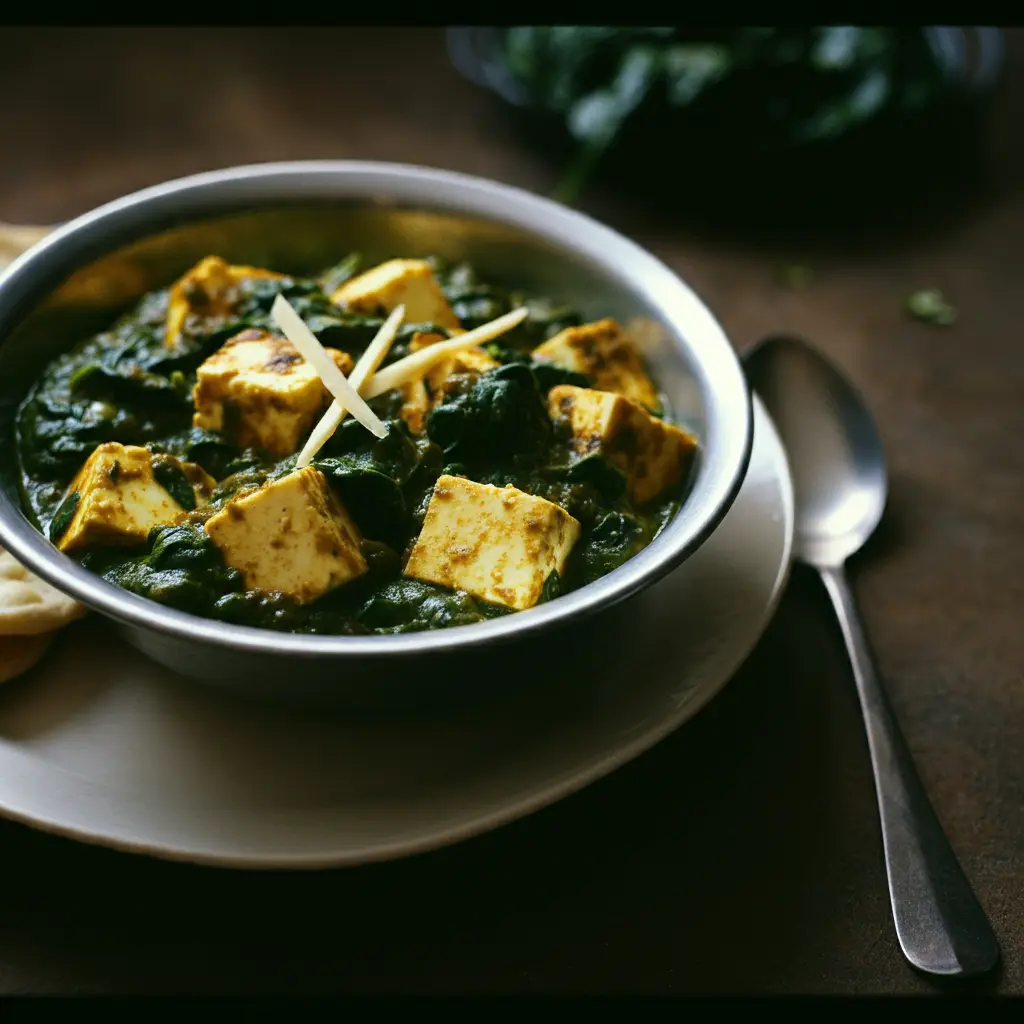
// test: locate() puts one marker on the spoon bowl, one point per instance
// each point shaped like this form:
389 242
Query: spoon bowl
835 451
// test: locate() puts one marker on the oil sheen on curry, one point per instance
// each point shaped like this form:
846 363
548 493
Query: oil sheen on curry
164 453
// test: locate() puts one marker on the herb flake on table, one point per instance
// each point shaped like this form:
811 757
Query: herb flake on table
929 306
796 276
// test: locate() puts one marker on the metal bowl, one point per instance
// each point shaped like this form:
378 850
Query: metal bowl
298 217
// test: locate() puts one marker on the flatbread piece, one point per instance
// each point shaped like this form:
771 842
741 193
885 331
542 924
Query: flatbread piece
29 605
19 653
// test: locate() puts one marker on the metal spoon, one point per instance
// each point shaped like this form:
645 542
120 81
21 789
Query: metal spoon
839 481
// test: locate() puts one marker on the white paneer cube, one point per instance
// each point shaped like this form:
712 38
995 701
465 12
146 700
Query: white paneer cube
412 282
260 392
652 454
121 496
291 536
603 352
498 544
207 291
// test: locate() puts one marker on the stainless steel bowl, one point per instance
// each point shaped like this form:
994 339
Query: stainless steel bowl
298 217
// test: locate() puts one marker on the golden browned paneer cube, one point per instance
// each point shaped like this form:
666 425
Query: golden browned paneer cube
412 282
415 405
207 291
603 352
260 392
291 536
120 498
651 453
498 544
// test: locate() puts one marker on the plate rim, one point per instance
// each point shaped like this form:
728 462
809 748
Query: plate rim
544 796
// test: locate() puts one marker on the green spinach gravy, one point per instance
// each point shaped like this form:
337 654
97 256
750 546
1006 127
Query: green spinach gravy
126 385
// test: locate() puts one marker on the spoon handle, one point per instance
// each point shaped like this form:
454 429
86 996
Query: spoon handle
941 927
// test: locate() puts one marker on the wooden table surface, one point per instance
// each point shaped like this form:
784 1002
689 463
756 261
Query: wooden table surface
743 854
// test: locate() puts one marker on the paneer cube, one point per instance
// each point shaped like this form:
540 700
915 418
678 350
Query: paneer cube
260 392
208 291
603 352
124 491
412 282
498 544
422 339
651 453
415 405
291 536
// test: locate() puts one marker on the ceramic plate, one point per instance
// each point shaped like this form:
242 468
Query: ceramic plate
101 745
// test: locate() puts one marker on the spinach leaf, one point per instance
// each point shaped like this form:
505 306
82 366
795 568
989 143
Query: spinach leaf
419 485
581 499
334 277
57 430
547 375
596 470
407 606
395 454
248 478
181 588
103 390
182 568
383 482
607 546
550 376
476 303
126 382
258 608
501 414
63 516
184 546
171 478
208 449
504 353
552 587
381 559
176 588
546 318
374 499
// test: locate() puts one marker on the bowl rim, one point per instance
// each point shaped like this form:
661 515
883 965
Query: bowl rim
140 214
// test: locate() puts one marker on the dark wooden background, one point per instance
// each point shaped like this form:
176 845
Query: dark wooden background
743 854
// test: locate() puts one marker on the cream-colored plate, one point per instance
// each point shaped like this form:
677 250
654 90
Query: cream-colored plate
100 745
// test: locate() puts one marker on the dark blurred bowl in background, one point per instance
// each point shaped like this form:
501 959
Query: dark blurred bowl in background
729 160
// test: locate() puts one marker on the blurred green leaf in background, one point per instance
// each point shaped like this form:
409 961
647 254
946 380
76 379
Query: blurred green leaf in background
777 88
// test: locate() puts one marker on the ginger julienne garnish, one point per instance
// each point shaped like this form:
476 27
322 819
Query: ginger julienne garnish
361 373
296 331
